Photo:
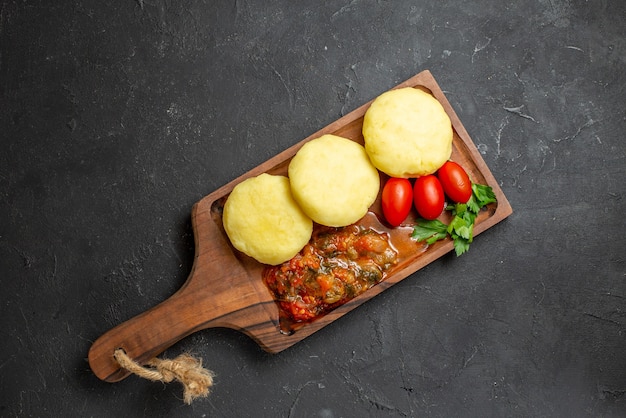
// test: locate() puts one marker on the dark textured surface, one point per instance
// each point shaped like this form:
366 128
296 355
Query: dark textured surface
115 117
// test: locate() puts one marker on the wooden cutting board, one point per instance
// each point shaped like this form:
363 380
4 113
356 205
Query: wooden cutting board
225 289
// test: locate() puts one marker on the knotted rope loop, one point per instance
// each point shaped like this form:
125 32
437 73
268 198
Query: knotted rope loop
188 370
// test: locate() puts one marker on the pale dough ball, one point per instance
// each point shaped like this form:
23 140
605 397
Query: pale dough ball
333 180
407 133
262 220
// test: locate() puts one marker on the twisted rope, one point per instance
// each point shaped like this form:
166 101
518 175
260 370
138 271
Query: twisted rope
188 370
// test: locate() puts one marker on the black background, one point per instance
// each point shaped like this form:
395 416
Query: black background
117 116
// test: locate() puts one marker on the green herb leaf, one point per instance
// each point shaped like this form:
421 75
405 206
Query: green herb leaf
459 209
473 204
429 231
461 246
482 195
459 227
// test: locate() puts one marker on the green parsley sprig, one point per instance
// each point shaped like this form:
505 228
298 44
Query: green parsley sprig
461 227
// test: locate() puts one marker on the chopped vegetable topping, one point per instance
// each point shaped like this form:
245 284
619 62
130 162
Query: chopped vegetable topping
337 265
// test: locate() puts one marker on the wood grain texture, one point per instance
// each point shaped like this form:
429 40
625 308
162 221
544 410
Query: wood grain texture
224 288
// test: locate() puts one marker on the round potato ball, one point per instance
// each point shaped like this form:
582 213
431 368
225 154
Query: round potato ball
407 133
262 219
333 180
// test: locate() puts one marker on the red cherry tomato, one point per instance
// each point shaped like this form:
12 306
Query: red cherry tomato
428 195
455 182
397 198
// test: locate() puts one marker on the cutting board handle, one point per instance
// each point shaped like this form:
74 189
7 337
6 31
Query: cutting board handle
212 296
144 336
